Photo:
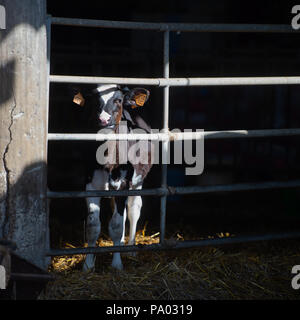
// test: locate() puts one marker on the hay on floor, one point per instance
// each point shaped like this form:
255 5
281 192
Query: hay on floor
253 271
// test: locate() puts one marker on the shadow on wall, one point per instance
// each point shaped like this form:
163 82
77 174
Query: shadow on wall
22 219
23 212
7 77
15 16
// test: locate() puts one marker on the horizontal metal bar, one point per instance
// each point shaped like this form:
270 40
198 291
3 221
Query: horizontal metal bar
176 190
185 27
174 82
228 134
235 187
174 136
105 136
103 80
173 244
105 193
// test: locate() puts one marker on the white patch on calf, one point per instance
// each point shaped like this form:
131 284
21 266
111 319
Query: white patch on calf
137 181
103 88
93 207
116 184
104 116
134 211
134 205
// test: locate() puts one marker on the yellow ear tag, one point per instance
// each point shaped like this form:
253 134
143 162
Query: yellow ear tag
140 100
78 99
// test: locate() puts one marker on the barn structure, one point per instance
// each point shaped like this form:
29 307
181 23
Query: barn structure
238 82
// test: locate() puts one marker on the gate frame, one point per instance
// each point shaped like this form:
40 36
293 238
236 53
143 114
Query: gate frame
166 136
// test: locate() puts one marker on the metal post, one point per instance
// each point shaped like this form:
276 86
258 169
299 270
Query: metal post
23 114
48 30
165 143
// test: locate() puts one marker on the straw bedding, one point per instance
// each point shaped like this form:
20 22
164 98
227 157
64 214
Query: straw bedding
251 271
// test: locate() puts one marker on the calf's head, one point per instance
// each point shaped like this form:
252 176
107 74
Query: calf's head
110 100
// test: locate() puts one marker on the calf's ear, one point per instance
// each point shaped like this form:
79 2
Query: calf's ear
137 97
79 99
77 96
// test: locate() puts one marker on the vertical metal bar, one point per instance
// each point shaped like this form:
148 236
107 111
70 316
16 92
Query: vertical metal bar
48 33
165 144
48 28
166 76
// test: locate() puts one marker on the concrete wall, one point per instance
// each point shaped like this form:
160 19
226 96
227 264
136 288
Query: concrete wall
23 128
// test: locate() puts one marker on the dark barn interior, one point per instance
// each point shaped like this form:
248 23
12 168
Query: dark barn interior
125 53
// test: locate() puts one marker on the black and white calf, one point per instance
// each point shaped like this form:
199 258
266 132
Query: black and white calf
113 105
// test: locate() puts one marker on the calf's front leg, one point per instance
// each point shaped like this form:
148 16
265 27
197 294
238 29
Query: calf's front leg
116 229
93 225
93 228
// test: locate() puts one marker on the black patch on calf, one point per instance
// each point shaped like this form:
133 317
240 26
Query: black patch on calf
116 175
120 203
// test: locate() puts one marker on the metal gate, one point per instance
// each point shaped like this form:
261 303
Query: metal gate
166 136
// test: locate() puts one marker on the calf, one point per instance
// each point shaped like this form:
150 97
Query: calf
114 104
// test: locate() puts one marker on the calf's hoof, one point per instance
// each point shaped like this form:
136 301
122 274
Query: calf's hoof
89 263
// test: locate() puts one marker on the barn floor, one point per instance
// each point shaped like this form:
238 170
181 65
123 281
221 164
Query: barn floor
251 271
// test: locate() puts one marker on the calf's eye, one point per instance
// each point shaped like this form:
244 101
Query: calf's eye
118 102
